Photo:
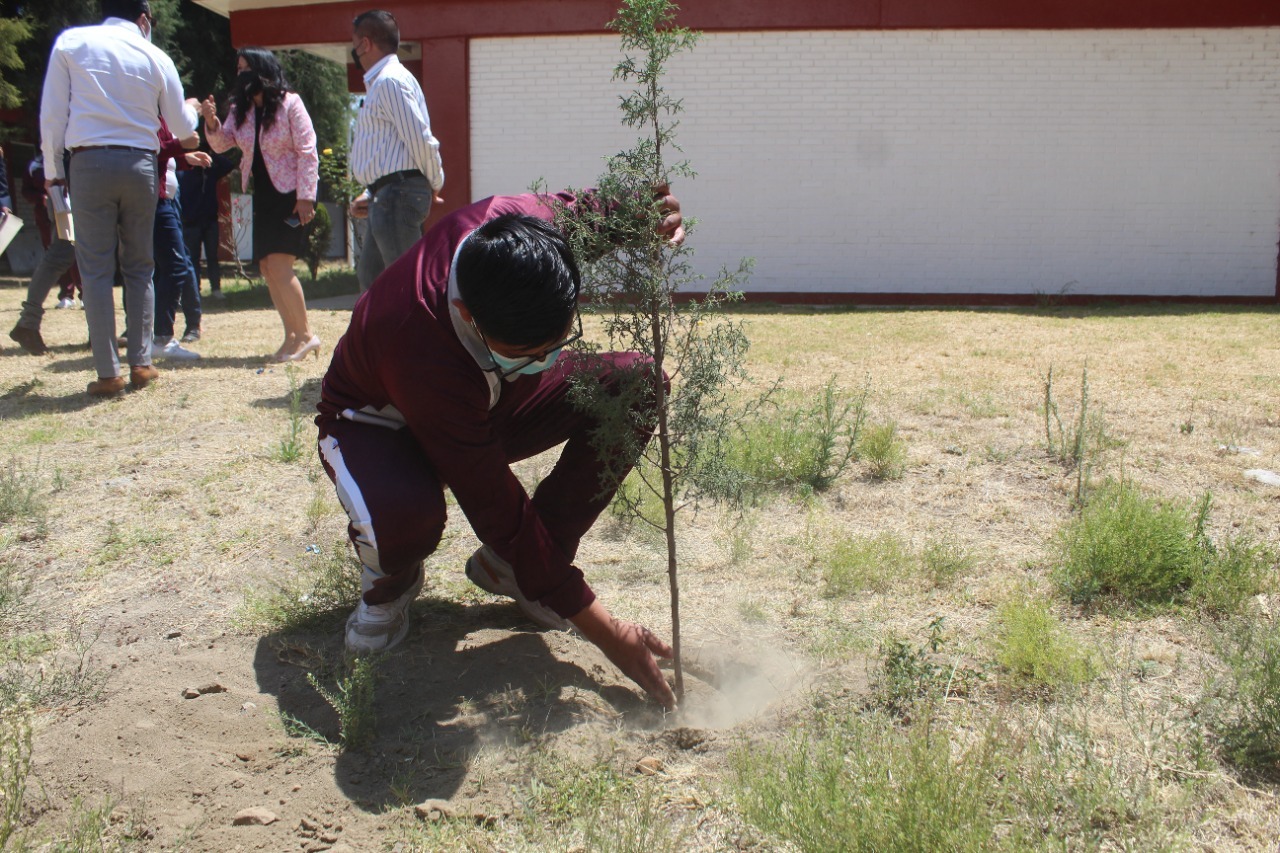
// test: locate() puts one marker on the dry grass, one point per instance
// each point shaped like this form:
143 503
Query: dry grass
171 502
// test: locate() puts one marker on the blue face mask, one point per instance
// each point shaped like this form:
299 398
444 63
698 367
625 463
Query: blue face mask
523 365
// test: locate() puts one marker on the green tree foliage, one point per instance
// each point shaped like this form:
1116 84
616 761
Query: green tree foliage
632 277
13 32
322 85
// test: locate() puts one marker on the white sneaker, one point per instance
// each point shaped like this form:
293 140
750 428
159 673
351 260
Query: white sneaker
493 574
173 349
66 302
379 627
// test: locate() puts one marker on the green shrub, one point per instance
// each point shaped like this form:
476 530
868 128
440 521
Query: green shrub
1132 549
803 447
885 453
1034 649
21 496
322 593
1244 700
319 234
944 561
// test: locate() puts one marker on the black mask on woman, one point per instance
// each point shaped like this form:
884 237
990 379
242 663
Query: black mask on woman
249 82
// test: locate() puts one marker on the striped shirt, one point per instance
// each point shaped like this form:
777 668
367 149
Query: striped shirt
393 130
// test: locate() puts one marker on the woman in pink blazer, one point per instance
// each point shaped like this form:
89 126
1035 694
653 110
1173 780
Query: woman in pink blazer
269 124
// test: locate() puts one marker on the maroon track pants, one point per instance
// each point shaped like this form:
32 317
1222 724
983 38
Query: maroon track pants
395 501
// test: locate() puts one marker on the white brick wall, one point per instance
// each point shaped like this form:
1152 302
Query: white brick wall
1120 161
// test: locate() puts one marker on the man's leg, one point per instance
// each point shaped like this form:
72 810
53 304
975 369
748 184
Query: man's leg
97 216
213 267
369 265
137 257
573 495
170 268
396 215
58 258
393 499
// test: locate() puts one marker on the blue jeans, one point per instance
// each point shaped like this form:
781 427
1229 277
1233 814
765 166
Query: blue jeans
396 214
115 209
204 235
175 279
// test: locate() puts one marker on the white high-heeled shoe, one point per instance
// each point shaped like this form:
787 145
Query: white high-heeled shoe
306 349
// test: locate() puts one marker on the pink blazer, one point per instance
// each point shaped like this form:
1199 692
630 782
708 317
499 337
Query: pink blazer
288 147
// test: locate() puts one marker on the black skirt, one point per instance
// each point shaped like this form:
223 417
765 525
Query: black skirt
271 234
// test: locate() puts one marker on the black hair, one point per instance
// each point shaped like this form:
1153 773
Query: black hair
263 63
519 280
378 27
130 10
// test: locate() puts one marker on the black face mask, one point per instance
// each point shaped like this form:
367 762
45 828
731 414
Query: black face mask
249 82
355 57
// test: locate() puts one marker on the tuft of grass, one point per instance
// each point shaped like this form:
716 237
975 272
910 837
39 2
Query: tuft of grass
353 700
1034 649
15 765
944 561
803 448
1243 700
21 496
885 561
325 591
885 453
1128 548
874 563
864 785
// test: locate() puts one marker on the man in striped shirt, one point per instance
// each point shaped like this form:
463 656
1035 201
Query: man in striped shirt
393 153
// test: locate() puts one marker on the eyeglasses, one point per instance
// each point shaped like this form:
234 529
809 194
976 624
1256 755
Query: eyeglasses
526 360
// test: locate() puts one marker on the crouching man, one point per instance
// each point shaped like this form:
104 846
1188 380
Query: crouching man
453 367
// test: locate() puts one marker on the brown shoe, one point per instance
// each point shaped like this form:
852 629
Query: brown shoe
106 386
29 340
142 375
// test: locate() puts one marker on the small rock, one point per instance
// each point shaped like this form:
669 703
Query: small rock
649 766
1267 478
212 687
173 635
317 846
255 816
329 838
191 693
244 756
434 810
953 450
308 825
248 706
296 788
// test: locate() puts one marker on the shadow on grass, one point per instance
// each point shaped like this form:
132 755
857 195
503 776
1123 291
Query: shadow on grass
434 703
307 401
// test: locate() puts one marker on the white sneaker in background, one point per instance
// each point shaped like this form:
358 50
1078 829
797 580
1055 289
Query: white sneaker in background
66 302
172 349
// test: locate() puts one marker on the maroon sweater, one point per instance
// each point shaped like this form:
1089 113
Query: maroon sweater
401 358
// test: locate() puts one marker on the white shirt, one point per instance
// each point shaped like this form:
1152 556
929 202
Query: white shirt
107 85
393 129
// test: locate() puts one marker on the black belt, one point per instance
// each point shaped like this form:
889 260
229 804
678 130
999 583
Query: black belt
80 148
394 178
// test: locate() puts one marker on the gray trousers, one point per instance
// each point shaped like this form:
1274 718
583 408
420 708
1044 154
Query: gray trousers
114 204
58 258
396 214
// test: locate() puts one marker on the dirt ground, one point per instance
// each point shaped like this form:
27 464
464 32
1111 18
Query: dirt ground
167 505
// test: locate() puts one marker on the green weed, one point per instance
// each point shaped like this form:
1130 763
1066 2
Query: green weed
292 446
884 452
944 561
353 700
1034 649
911 674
